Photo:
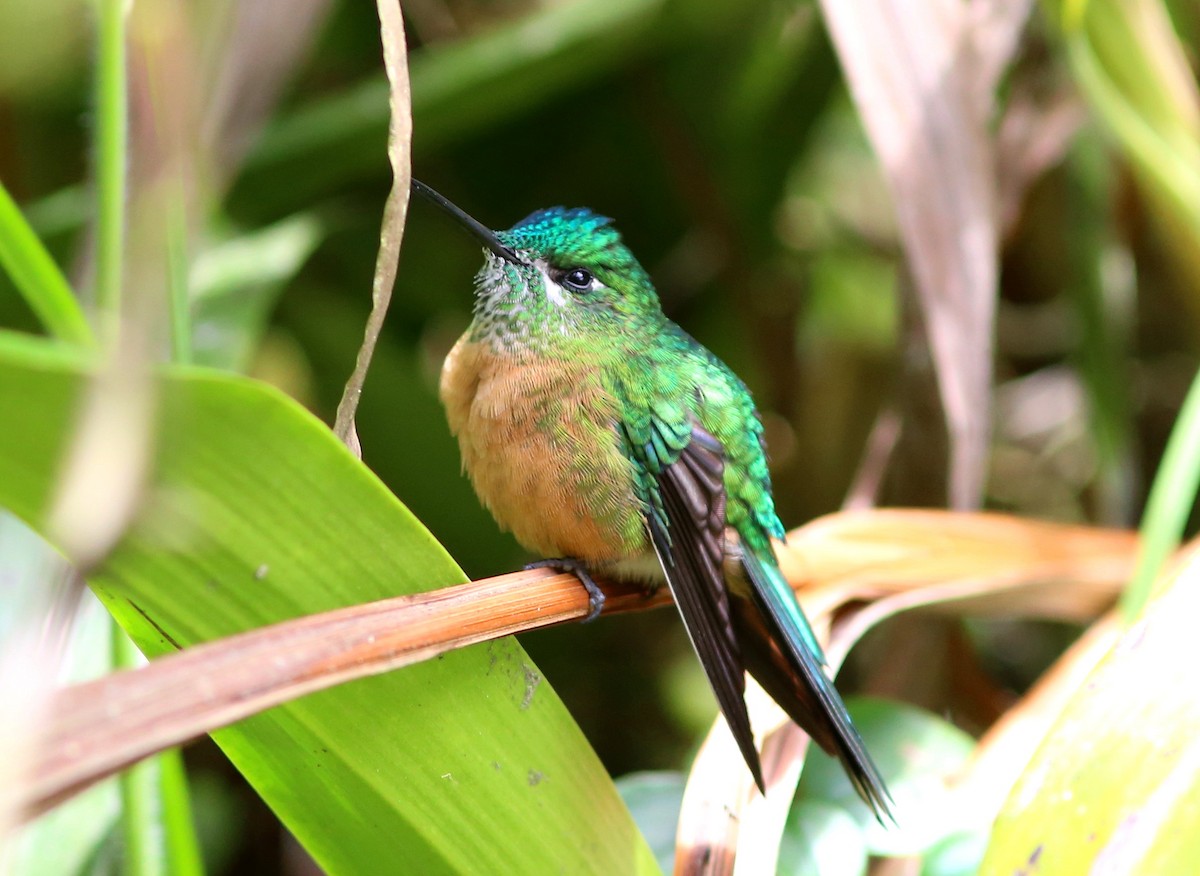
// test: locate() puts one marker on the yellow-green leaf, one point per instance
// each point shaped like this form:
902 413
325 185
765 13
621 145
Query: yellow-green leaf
1115 786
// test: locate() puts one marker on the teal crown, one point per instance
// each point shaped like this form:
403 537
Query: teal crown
562 234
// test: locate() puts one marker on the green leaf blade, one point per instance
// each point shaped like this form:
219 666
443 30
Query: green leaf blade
464 764
37 278
1115 786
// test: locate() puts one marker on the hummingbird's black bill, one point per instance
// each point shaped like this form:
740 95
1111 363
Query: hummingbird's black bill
473 226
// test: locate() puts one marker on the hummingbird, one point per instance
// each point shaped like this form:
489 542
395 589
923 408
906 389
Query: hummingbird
604 436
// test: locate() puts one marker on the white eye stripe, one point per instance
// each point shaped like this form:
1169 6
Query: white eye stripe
559 294
555 292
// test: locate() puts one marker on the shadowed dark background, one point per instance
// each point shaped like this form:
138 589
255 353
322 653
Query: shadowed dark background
720 137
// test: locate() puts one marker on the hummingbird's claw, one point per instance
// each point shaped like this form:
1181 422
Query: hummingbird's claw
579 570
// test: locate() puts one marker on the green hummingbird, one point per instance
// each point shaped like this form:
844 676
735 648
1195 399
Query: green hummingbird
602 434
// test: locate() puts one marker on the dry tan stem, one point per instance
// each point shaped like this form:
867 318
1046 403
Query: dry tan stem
97 728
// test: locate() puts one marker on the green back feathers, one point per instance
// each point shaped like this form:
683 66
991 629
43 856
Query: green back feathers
667 385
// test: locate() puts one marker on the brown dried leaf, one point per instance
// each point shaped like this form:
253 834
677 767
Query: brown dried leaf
896 559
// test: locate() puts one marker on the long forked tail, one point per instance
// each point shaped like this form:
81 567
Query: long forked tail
781 652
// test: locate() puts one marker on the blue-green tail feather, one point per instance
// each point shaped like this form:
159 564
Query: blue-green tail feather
783 654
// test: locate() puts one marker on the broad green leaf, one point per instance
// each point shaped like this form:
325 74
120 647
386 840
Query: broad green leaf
464 764
824 839
917 752
1115 786
957 855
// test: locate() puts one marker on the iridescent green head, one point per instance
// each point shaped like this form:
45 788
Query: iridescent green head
559 272
573 274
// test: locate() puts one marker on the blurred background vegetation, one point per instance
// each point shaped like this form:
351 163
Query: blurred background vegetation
721 137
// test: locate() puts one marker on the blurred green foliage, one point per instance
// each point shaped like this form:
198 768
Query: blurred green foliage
720 137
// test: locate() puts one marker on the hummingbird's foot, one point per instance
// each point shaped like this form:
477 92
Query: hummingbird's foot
579 570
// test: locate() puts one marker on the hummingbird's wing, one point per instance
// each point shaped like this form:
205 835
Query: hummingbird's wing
687 526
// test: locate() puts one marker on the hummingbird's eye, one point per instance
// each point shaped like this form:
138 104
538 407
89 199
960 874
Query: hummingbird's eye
578 280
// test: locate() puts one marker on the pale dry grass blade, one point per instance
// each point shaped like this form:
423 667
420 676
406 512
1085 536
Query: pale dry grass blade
864 491
922 76
993 32
1033 136
725 825
202 80
103 477
254 48
706 838
395 59
783 750
112 447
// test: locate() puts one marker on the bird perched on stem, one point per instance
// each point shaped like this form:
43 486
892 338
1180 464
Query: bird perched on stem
603 435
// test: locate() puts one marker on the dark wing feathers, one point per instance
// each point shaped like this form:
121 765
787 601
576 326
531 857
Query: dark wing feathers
690 543
684 470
